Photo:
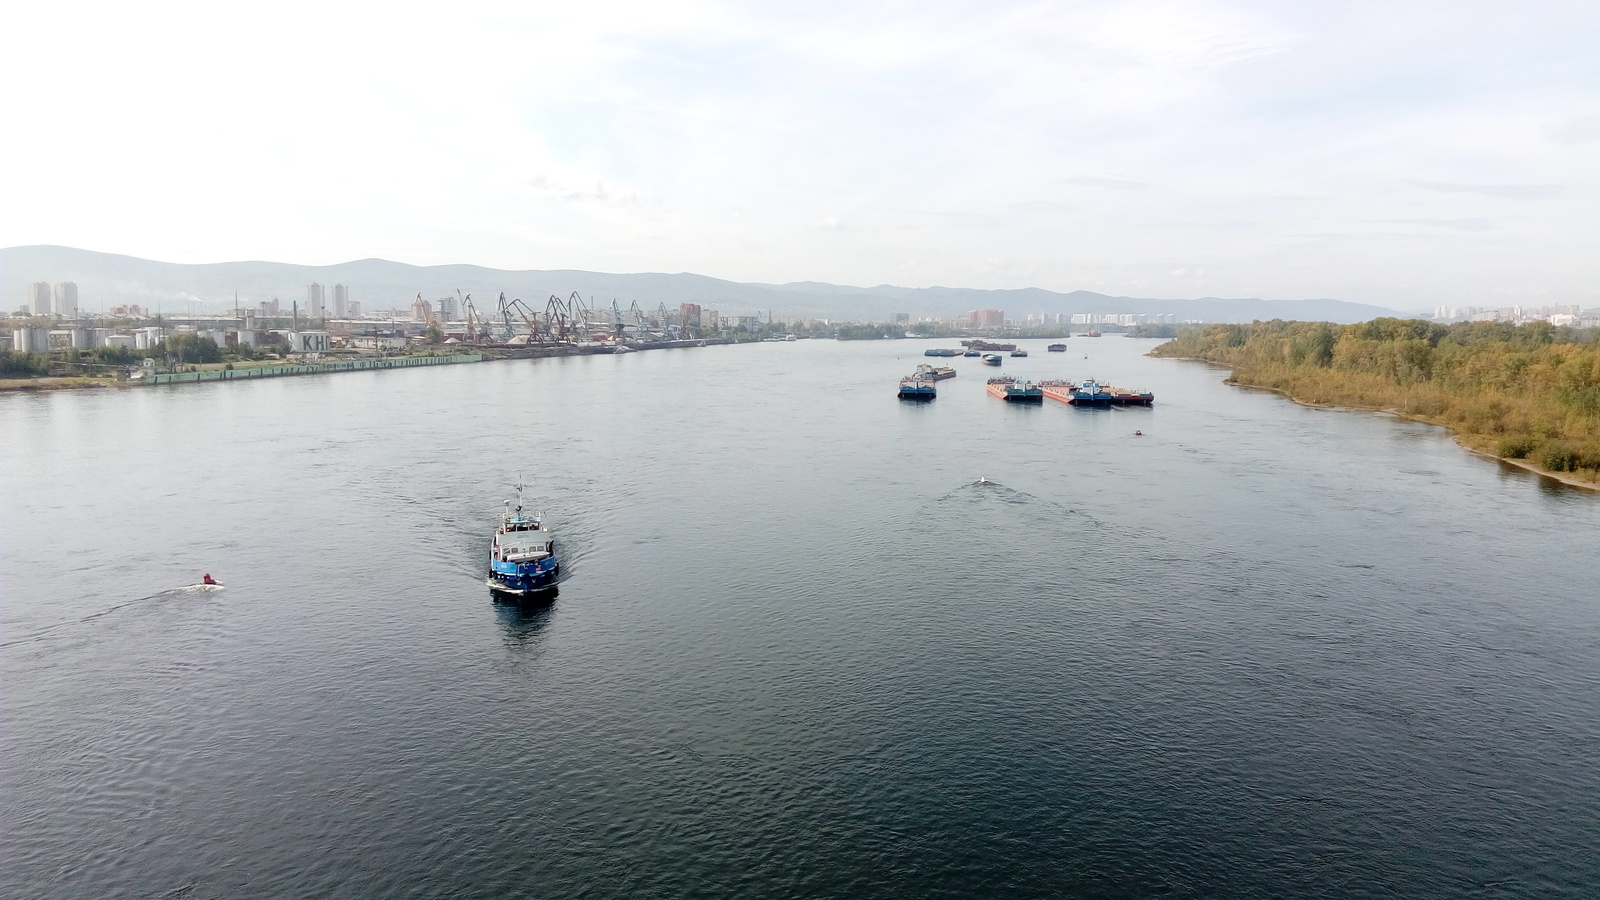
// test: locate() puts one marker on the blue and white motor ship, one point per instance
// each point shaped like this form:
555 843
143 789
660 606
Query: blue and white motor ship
522 558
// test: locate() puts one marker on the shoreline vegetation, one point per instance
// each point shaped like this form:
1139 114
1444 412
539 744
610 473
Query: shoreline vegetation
1528 394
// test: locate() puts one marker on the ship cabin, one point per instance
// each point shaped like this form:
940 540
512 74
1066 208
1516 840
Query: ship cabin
524 546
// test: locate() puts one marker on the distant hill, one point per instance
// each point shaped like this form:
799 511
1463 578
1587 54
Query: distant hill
106 279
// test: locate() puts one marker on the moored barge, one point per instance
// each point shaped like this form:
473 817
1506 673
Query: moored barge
917 387
1092 393
1012 390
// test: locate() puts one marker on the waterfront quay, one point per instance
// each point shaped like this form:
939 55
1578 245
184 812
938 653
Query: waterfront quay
306 368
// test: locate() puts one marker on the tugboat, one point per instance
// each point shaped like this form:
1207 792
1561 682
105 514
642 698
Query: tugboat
522 557
918 387
1019 352
971 353
993 359
1057 348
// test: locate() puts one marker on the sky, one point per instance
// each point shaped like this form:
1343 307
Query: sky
1406 154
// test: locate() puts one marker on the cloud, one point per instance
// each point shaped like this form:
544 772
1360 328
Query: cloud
1508 191
1114 182
551 189
1576 130
830 223
1046 206
1454 224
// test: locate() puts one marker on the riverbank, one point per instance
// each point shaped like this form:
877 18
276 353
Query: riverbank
54 384
1526 394
309 368
1461 439
275 369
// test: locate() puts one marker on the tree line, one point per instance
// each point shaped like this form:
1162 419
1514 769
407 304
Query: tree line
1518 391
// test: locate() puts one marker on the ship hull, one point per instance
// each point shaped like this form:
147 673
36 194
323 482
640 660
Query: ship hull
521 583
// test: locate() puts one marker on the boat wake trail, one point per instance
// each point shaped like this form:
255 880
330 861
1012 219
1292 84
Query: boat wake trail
987 490
52 630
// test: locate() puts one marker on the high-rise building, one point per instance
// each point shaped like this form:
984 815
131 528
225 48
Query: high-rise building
67 299
315 301
421 310
986 318
353 309
39 299
448 309
341 301
708 319
689 314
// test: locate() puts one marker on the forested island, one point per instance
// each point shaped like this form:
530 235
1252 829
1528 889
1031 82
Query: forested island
1529 393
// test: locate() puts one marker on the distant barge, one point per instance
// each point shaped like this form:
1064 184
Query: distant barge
1092 393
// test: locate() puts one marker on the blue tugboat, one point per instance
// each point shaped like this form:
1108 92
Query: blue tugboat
522 557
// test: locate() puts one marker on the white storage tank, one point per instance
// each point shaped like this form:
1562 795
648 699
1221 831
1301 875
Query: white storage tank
309 342
31 339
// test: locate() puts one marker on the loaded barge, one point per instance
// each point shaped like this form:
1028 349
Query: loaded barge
1092 393
918 387
1009 389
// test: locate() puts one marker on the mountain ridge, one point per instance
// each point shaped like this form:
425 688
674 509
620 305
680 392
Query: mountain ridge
108 279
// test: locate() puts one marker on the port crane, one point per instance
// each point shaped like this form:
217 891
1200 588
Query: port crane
568 319
527 315
477 329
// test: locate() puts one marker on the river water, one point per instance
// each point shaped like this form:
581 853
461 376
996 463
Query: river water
801 650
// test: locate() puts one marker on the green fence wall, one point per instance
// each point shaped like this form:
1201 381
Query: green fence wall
343 365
